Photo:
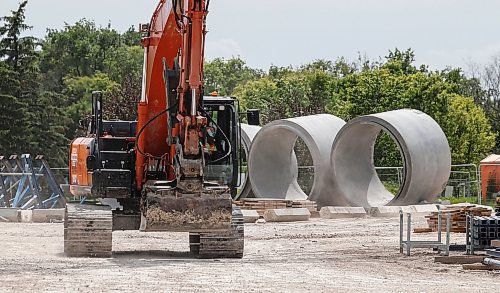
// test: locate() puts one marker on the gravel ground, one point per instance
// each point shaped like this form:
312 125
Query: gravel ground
348 255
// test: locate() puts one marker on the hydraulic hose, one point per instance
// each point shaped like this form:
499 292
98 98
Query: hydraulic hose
146 125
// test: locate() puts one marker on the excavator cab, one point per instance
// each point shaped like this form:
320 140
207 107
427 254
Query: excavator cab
222 142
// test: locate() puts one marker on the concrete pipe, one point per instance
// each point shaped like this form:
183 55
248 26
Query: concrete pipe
248 133
272 163
424 149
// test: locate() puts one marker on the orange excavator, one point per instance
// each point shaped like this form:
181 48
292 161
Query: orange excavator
174 169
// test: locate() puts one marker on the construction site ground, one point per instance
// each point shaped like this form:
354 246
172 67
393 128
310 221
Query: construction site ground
344 255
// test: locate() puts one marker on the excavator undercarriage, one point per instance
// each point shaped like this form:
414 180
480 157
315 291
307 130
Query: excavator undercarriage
203 209
88 232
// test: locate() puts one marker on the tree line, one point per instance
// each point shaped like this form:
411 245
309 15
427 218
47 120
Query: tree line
45 84
45 87
460 104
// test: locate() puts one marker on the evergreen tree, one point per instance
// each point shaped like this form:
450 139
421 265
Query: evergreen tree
12 46
12 112
49 124
34 119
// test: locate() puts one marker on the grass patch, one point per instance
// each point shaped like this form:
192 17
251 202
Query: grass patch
471 200
392 187
455 200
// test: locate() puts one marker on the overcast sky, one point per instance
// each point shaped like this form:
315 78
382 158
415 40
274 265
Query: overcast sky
264 32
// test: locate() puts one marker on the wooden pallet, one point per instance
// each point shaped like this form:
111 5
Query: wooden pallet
495 243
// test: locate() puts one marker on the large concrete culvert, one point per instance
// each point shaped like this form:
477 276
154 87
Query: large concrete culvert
248 133
272 163
424 149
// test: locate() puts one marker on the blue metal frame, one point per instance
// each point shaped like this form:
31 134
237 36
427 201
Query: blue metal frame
22 174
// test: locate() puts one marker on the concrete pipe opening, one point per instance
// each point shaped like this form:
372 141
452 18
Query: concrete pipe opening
424 150
248 133
273 166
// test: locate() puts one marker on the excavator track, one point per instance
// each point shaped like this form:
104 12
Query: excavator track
88 231
226 244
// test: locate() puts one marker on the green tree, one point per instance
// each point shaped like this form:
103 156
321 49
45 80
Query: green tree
83 49
398 84
401 62
121 103
468 130
23 98
82 58
339 68
286 92
349 90
12 113
131 37
224 75
489 98
320 85
17 50
259 94
50 125
79 91
70 51
125 62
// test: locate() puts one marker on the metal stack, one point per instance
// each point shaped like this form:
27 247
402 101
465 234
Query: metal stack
27 183
481 231
494 251
405 246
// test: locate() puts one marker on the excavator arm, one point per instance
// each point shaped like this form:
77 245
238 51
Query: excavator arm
172 125
174 56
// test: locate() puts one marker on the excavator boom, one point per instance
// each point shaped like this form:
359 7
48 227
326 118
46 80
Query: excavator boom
170 177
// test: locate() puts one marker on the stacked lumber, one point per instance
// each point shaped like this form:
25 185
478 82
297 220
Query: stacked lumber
458 217
261 205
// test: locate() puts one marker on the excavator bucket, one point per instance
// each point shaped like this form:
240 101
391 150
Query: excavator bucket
171 210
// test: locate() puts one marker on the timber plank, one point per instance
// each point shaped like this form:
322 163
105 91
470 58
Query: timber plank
459 259
480 267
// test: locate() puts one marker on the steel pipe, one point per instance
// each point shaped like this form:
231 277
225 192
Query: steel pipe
248 133
20 174
424 149
491 262
272 164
